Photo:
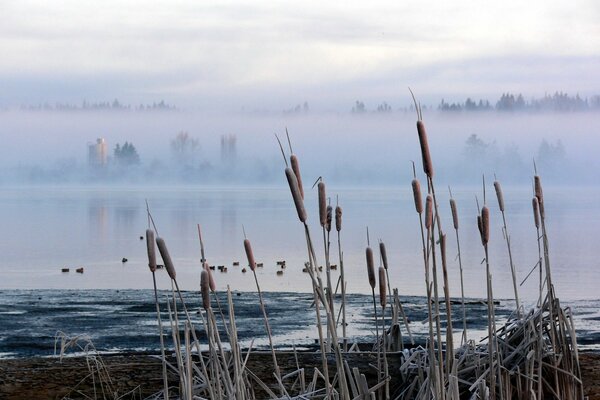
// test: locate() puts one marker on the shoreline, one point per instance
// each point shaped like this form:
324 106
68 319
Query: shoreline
140 373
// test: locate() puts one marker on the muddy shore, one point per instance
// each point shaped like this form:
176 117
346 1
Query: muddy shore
140 374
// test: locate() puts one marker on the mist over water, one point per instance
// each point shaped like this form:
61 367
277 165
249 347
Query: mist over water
373 148
59 211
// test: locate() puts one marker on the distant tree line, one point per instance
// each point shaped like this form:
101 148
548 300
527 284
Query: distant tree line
115 105
558 101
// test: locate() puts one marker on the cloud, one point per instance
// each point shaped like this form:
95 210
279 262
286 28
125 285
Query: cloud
232 50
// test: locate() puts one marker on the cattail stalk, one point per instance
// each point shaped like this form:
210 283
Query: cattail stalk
252 264
212 285
205 290
449 338
382 302
432 383
454 210
322 197
372 283
513 271
152 265
338 228
429 221
483 222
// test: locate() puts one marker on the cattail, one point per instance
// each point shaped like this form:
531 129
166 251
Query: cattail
499 195
428 211
371 267
151 252
298 202
329 217
249 254
454 213
416 186
536 213
383 255
205 289
211 279
164 253
443 248
296 169
427 165
539 194
485 224
338 218
538 189
479 227
322 203
382 287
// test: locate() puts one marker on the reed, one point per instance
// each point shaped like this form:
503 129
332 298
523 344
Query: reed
429 212
425 155
506 235
454 211
252 265
382 302
338 228
416 187
322 203
166 257
296 196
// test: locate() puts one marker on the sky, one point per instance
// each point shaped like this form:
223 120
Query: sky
253 55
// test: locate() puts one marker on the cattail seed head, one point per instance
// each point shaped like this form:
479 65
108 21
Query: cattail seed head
539 194
164 253
296 169
485 224
536 212
443 248
454 213
499 195
322 203
249 254
370 267
416 186
480 228
151 250
428 211
298 201
211 279
537 182
329 217
382 287
205 289
383 255
427 165
338 218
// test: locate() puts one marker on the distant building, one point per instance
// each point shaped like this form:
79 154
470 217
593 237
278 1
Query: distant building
97 153
228 147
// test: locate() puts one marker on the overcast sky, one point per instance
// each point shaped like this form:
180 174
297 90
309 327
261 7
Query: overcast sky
264 54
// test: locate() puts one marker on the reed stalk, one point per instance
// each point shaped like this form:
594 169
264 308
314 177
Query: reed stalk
513 271
338 228
252 265
454 211
431 382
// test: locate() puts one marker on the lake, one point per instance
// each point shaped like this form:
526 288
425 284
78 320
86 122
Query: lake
47 228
